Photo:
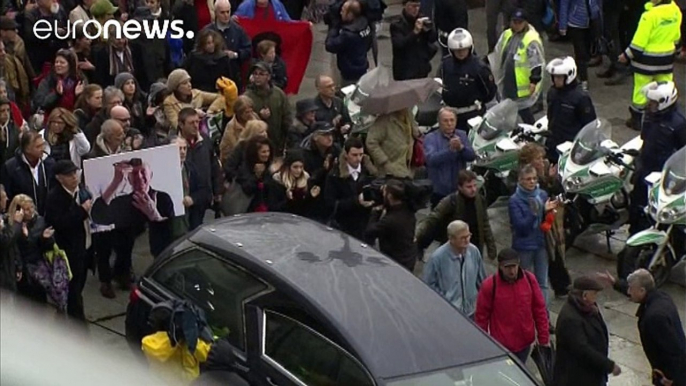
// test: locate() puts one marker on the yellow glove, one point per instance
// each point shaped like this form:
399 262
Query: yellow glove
227 88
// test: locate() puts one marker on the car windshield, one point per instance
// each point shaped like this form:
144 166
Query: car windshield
674 180
587 147
499 119
499 372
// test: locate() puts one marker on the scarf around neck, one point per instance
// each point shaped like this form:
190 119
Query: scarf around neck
117 66
533 197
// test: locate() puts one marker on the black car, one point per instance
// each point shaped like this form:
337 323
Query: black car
303 304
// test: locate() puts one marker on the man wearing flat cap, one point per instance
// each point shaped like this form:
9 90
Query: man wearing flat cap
582 338
514 324
305 117
67 210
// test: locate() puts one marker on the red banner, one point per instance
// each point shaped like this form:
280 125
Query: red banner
296 45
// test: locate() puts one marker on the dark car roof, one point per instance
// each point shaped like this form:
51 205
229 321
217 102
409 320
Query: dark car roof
396 323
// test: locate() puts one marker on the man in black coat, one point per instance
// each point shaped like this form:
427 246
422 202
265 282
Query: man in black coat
350 41
67 212
449 15
582 339
204 161
343 189
393 224
413 37
662 334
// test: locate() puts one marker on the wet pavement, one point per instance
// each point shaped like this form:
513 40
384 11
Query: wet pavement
590 253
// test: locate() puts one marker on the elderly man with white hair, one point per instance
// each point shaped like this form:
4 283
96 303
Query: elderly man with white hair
456 269
236 40
660 328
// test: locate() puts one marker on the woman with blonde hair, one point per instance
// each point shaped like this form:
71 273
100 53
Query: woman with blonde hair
236 156
63 137
243 112
33 239
292 192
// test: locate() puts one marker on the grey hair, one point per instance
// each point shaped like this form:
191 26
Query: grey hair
643 278
110 92
456 227
109 126
526 170
448 109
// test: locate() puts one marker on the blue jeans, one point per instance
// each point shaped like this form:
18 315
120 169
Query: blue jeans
537 262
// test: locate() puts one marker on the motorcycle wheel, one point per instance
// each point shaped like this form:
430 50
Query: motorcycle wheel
641 257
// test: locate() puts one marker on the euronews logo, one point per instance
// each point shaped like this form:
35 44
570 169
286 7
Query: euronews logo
130 29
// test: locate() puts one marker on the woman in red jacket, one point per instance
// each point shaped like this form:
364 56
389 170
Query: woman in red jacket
510 307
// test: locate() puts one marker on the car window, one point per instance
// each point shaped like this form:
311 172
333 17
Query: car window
215 286
309 356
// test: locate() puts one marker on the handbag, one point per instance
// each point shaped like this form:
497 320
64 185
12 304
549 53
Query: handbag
418 157
544 358
234 200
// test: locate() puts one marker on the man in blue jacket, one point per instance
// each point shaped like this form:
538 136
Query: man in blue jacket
447 151
350 41
263 9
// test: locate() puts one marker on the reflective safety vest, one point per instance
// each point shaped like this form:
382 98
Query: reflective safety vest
654 44
521 60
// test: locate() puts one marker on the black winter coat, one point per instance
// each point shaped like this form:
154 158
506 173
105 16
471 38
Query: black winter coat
204 160
569 110
32 247
18 179
341 196
662 336
9 259
206 69
412 53
67 218
582 348
448 15
663 134
395 232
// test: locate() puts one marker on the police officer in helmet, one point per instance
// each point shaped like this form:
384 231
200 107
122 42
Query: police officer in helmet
467 82
569 107
663 133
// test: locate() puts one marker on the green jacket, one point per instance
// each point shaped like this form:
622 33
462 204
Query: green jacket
390 143
449 209
281 114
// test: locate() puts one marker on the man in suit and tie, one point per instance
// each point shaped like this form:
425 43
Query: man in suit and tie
67 210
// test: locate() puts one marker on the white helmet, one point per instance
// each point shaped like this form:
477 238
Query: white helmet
460 38
563 66
664 93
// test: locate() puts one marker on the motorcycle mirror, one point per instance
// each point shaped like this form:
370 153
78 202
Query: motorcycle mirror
631 152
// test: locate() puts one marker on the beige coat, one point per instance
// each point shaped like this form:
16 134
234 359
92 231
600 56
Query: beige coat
171 106
230 138
390 141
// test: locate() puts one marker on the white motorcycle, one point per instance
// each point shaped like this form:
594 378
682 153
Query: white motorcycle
662 246
596 176
497 139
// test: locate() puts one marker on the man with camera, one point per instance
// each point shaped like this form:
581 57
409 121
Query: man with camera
413 37
393 223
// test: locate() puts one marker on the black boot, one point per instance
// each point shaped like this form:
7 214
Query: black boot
636 120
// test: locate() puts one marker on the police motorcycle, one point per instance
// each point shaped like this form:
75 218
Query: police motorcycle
662 246
596 176
426 114
497 138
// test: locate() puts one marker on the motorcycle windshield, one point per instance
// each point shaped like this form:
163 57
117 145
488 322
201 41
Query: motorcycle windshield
587 147
499 119
674 180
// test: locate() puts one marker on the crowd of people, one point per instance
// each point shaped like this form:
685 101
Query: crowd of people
63 101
